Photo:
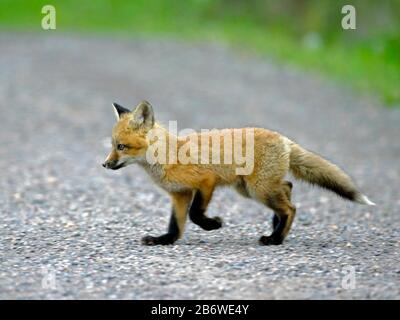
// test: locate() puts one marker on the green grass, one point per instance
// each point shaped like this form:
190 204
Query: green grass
368 62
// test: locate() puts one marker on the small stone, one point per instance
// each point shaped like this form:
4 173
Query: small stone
312 210
39 198
69 224
51 179
323 199
17 196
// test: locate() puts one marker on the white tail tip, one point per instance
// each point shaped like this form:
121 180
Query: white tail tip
363 199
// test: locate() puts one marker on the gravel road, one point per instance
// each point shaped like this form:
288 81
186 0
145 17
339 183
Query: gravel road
71 229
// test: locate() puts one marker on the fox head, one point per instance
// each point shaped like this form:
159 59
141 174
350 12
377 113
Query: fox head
129 142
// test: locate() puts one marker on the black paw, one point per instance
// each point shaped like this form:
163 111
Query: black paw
269 240
218 222
165 239
211 223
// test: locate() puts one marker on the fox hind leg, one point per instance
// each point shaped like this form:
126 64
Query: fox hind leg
287 187
284 212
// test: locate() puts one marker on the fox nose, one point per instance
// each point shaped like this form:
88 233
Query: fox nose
110 164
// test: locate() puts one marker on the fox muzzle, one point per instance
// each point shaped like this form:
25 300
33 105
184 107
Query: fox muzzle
113 165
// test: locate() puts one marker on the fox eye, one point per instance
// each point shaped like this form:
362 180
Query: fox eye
120 146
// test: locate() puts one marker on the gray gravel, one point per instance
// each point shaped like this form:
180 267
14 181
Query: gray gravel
70 229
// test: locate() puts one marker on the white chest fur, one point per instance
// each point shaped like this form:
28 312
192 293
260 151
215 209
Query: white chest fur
157 173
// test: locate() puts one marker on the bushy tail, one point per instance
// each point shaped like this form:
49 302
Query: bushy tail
310 167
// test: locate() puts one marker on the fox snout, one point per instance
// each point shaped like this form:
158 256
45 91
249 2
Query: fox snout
113 165
110 164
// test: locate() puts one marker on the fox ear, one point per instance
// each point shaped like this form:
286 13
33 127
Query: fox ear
143 116
119 110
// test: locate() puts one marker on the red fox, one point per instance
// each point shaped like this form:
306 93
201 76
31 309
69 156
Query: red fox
191 185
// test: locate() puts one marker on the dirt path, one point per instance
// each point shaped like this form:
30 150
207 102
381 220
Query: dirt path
70 229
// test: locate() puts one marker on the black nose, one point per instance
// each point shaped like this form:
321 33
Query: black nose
110 164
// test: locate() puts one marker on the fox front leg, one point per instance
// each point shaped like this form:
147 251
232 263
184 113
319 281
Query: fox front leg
180 204
197 212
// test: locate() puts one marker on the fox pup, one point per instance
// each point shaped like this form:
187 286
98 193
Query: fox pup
191 185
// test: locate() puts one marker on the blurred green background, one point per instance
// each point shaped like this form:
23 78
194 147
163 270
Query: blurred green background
304 33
